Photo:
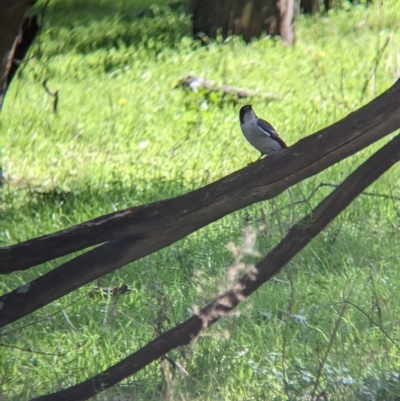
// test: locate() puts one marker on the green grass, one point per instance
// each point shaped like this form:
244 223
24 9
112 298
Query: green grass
124 136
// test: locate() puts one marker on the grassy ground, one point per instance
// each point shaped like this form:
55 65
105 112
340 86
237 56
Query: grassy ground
124 136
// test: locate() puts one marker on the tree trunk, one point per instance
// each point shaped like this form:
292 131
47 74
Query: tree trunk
311 6
16 36
328 4
250 18
286 14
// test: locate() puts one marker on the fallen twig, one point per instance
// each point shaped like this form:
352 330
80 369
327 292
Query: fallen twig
52 93
195 84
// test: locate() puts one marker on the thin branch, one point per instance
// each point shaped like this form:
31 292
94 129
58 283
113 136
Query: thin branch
374 323
306 199
42 352
330 344
45 317
378 57
365 193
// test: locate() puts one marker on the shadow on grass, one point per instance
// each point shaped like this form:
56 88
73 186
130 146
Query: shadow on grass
85 27
31 211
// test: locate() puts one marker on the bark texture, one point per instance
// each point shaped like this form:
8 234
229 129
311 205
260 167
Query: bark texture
286 15
250 18
16 36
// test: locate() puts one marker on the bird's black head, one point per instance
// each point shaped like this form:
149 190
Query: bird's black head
245 110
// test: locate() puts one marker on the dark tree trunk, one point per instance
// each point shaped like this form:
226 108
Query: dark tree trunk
250 19
311 6
16 35
26 36
328 4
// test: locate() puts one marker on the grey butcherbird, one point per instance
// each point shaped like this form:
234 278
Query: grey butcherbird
260 133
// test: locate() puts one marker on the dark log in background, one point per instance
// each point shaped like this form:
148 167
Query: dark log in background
312 6
250 19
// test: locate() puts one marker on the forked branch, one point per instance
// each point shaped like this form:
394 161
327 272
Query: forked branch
259 181
298 237
138 232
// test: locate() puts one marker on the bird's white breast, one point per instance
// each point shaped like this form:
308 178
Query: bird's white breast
259 139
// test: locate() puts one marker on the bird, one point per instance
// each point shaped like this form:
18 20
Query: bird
260 133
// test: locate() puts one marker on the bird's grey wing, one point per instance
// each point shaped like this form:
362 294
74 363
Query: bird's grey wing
269 130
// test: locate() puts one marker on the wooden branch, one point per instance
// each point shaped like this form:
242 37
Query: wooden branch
298 237
160 224
259 181
196 83
82 270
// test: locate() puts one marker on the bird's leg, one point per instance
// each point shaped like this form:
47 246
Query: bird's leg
262 154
